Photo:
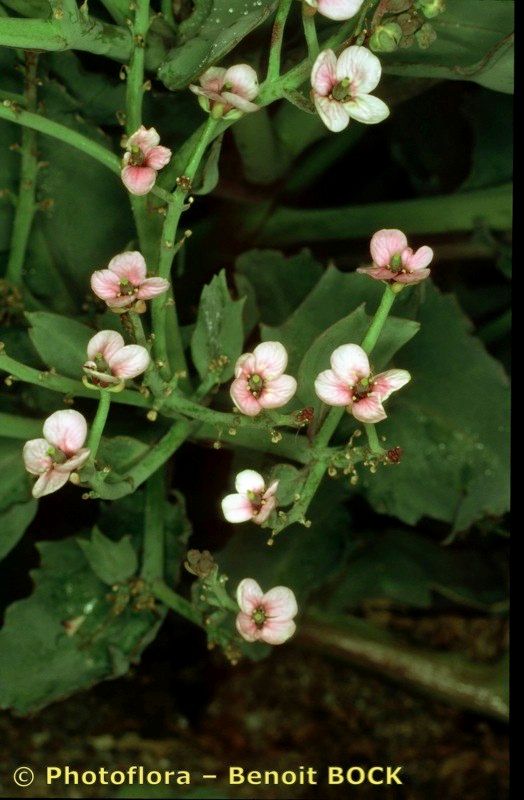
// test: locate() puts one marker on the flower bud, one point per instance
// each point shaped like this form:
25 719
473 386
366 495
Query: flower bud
430 8
425 36
386 38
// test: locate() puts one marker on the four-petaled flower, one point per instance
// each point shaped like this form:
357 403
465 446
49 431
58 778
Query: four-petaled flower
341 88
111 362
265 617
143 158
350 383
260 381
125 283
227 93
59 453
336 9
252 501
394 261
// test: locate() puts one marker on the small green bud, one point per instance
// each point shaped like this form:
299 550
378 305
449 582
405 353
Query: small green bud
386 38
425 36
430 8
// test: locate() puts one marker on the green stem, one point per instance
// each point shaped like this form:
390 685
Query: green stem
310 31
25 207
176 603
15 427
375 329
277 36
374 444
153 541
99 423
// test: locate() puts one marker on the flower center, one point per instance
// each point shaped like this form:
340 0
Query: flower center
57 455
362 389
137 156
255 384
396 265
127 289
342 91
256 500
259 617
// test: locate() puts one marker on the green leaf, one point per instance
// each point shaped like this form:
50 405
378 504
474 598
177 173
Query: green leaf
60 342
41 659
13 522
452 423
113 562
120 453
219 332
208 175
214 28
15 486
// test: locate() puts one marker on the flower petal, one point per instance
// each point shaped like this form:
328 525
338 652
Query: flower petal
332 113
249 481
138 180
367 108
105 343
249 595
243 81
245 365
158 157
237 508
129 266
378 273
51 481
350 363
332 390
152 287
213 79
129 361
105 284
247 628
324 73
369 409
419 260
75 462
265 510
66 430
278 392
243 399
36 458
338 9
144 138
385 244
270 359
361 66
413 277
239 102
390 381
277 631
280 603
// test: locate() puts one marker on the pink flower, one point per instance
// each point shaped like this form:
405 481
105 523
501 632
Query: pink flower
111 362
59 453
143 158
125 282
336 9
259 380
253 501
349 383
265 617
228 92
394 261
341 88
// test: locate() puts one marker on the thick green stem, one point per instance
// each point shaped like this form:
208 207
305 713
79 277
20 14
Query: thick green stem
310 31
277 36
25 206
153 541
99 423
374 444
176 603
375 329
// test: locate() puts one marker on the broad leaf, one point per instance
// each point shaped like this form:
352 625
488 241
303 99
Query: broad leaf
60 342
112 562
13 522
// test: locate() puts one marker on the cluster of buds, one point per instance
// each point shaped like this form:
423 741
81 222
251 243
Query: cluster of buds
403 23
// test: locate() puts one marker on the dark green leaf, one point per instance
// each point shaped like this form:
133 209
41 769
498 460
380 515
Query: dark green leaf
113 562
13 522
60 342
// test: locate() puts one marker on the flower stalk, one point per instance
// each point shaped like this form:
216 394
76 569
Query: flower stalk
99 422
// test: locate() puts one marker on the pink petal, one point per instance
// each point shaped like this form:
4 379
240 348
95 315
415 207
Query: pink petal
144 138
243 81
265 510
385 244
217 98
106 344
271 489
278 392
36 458
158 157
249 481
378 273
152 287
247 628
412 277
249 595
239 102
418 260
324 73
332 390
277 631
237 508
367 109
77 461
129 266
66 430
105 284
350 363
245 365
338 9
369 409
361 66
138 180
280 603
332 113
129 361
390 381
243 399
212 79
270 359
51 481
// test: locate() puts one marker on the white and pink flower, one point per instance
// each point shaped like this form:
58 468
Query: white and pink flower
143 158
336 9
229 92
253 500
341 88
394 261
125 282
265 617
59 453
111 362
260 382
350 383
